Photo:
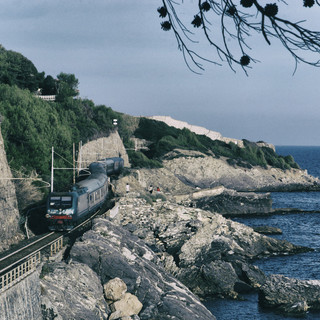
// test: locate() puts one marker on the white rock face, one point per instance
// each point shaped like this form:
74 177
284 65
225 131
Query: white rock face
214 135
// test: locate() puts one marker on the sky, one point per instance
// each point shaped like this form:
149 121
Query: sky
123 60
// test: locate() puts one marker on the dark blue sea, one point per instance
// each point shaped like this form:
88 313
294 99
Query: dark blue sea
300 229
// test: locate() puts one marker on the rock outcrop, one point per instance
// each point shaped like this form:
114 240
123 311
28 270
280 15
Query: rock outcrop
210 254
122 303
290 296
111 252
72 291
9 215
199 170
232 203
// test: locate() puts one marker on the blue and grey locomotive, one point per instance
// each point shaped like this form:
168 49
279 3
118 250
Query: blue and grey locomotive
67 209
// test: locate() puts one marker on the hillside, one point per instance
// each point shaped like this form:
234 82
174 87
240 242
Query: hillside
31 126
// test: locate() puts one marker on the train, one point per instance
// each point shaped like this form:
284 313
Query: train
65 210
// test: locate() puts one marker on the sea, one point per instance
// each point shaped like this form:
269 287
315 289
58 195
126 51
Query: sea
298 228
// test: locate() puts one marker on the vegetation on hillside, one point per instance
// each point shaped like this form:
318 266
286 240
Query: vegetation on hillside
31 126
165 138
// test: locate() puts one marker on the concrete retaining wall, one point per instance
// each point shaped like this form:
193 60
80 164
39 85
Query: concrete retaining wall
22 301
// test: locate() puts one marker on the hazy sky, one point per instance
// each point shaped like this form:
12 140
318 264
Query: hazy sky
123 59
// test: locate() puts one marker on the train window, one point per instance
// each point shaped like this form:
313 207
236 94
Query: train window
54 202
66 202
91 198
60 202
110 165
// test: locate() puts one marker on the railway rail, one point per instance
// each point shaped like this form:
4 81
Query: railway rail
18 263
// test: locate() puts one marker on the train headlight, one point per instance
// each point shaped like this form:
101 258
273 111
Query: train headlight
48 216
69 212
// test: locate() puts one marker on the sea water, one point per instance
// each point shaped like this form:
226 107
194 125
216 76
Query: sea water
299 228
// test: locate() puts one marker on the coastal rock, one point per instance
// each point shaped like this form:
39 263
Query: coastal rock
112 252
267 230
127 306
233 203
115 289
290 296
207 252
73 291
217 199
208 172
141 179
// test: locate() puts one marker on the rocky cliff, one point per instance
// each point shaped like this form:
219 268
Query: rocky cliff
9 215
199 170
210 254
77 290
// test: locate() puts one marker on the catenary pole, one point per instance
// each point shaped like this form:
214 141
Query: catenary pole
52 157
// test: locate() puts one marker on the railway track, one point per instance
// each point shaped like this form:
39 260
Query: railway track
13 257
19 262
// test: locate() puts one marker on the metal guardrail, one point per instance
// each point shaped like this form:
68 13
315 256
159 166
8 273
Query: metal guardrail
20 272
56 246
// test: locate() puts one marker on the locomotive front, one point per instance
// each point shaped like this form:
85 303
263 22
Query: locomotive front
61 209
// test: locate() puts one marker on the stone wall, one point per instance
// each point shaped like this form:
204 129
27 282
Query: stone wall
106 147
22 301
9 214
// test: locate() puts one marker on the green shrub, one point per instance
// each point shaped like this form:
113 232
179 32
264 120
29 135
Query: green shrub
139 160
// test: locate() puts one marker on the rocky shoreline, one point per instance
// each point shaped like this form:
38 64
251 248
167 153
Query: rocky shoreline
168 256
157 256
173 248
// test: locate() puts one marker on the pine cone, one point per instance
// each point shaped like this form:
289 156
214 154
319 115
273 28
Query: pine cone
162 12
166 25
245 60
197 22
246 3
205 6
308 3
271 9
